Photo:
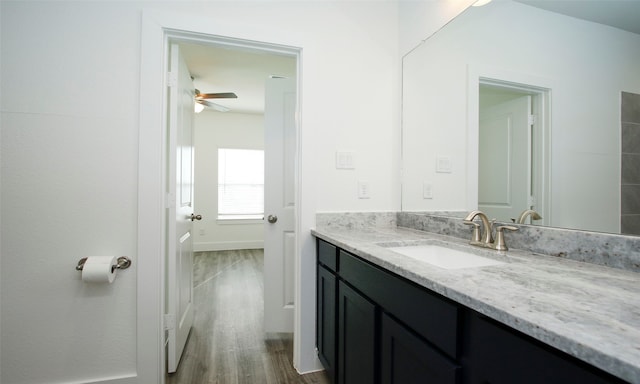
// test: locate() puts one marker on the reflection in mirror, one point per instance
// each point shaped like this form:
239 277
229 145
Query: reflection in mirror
511 175
572 73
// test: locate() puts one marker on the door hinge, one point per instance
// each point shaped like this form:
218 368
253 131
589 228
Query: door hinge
172 79
533 201
532 119
169 321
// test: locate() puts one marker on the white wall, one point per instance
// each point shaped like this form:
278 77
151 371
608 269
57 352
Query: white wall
69 158
70 81
586 65
215 130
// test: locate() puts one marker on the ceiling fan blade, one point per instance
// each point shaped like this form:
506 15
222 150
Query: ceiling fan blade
217 107
223 95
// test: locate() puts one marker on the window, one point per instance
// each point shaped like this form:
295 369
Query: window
240 184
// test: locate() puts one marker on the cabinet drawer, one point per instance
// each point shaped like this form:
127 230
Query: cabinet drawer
431 316
327 255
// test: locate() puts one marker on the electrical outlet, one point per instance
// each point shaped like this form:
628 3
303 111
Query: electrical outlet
363 190
427 191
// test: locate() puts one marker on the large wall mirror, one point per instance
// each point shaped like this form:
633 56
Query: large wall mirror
520 105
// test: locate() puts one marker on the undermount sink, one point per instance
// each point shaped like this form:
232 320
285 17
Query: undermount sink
444 257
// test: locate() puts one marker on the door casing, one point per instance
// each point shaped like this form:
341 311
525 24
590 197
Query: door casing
540 89
159 29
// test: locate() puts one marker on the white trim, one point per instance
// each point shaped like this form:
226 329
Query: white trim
227 245
125 379
157 28
150 287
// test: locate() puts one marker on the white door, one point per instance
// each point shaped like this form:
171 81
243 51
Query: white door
279 204
504 175
179 317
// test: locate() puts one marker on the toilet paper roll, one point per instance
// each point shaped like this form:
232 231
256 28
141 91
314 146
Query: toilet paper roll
99 269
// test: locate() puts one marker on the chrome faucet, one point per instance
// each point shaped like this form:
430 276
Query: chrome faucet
529 212
486 239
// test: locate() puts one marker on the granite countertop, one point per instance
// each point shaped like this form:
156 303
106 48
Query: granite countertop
586 310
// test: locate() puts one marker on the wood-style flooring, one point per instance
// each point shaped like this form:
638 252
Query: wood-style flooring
227 344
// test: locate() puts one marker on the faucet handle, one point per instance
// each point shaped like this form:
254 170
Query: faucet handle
476 230
489 230
500 244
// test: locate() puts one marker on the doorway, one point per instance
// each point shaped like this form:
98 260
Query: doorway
230 142
250 124
156 29
512 149
238 62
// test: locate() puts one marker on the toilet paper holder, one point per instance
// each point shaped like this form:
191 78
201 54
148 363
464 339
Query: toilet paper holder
123 263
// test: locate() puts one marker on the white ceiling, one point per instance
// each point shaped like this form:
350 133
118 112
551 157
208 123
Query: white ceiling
622 14
242 71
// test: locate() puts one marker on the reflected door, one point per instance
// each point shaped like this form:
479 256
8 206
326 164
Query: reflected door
504 174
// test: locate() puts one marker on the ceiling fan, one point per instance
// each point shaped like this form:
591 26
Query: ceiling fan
202 99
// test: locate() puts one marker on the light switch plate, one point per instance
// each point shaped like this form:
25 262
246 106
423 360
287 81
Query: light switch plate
443 164
345 160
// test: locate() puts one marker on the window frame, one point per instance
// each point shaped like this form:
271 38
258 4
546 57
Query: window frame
237 218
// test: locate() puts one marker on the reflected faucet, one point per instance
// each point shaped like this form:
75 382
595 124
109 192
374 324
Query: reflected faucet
529 212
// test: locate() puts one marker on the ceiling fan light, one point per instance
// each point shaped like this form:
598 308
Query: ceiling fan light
197 107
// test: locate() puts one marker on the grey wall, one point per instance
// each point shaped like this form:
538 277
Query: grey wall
630 188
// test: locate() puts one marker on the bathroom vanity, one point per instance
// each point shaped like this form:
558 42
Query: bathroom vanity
384 317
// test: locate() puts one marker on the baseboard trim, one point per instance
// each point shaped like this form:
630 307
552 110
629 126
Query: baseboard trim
125 379
227 245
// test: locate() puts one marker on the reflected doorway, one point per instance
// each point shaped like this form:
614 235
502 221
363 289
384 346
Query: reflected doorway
511 161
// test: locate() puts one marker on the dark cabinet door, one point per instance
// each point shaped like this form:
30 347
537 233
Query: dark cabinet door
407 359
499 355
326 320
356 337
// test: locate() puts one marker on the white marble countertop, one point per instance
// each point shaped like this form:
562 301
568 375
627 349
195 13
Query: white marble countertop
586 310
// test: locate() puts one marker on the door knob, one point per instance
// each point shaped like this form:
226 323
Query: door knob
272 218
196 217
